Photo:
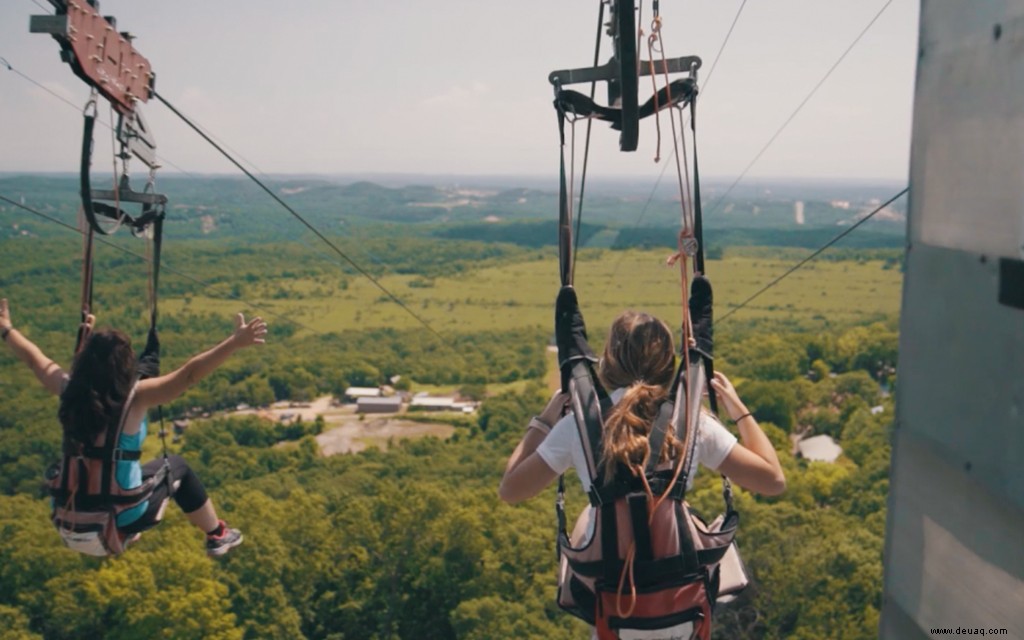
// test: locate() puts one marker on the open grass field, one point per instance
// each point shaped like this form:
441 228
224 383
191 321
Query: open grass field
521 294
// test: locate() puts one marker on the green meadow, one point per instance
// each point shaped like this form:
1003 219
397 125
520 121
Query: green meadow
521 294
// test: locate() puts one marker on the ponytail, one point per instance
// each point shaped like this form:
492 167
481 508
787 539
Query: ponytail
627 427
639 357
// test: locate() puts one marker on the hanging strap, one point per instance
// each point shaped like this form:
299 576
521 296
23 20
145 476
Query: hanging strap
91 208
564 212
149 360
86 307
698 222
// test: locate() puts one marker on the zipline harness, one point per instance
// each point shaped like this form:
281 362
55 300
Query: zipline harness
87 496
671 563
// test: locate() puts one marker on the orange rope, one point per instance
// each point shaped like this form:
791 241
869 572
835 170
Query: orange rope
655 37
685 243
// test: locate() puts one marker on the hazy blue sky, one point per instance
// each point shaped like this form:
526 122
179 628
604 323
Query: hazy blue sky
460 86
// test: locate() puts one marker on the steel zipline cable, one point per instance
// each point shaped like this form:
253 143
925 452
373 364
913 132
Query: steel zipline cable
10 68
814 255
301 219
205 285
5 63
208 137
714 205
725 41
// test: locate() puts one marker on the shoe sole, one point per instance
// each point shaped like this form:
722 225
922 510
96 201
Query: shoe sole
219 551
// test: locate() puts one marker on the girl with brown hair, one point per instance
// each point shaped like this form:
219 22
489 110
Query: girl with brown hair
104 388
638 364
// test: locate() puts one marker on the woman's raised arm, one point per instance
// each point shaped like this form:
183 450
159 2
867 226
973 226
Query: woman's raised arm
163 389
48 372
752 464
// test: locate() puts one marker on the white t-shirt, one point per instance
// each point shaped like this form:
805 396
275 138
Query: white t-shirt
562 448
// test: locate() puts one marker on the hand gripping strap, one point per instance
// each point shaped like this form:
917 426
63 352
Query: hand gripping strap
570 334
701 316
149 361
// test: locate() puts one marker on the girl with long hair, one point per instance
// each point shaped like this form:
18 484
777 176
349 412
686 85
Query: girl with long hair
638 366
104 385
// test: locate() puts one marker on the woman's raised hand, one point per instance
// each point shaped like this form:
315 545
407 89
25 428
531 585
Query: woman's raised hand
249 333
727 393
555 409
5 315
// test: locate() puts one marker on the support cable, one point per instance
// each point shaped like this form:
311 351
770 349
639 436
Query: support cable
301 219
814 255
78 108
205 285
714 205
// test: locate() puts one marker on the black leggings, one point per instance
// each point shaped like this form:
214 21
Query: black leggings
186 489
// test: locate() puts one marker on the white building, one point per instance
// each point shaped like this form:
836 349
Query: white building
821 448
432 403
354 393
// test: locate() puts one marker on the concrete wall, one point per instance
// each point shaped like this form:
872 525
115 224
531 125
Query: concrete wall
953 554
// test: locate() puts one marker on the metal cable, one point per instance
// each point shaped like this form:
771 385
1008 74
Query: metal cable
394 298
205 285
815 254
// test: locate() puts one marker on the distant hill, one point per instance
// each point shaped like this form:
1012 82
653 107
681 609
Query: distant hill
786 214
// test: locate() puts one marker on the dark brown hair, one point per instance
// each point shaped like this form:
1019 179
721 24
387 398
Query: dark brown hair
638 356
101 378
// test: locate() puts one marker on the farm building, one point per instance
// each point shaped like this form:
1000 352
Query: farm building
379 405
352 394
431 403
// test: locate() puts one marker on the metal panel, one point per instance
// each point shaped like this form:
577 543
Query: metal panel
968 145
961 372
953 555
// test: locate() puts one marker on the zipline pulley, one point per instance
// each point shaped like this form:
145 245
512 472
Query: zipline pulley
622 73
108 62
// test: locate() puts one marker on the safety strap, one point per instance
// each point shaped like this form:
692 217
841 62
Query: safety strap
91 208
698 221
87 279
111 440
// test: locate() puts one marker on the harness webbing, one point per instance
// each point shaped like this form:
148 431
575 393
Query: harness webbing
589 401
86 299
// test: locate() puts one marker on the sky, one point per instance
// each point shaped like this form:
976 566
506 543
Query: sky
459 87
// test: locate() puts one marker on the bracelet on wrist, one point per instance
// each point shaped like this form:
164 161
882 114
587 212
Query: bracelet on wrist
5 332
745 415
540 425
